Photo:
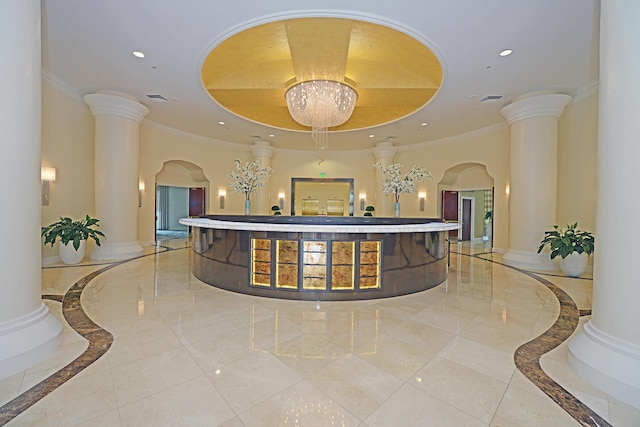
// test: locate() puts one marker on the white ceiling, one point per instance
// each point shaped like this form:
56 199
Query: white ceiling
88 46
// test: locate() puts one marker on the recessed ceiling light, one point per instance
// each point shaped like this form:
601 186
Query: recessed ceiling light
424 124
371 136
138 54
506 52
221 122
271 135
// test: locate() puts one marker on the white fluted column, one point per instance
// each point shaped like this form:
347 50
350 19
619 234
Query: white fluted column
383 152
117 141
262 153
607 352
29 333
533 120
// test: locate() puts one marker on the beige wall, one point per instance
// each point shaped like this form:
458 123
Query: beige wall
577 160
68 146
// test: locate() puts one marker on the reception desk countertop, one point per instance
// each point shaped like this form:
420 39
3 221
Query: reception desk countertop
325 224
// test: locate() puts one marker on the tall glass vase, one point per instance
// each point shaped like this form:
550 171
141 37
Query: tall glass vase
247 207
396 209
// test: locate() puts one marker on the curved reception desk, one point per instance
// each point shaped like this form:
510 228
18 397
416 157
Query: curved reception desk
319 258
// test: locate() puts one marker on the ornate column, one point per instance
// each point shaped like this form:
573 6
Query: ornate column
262 153
29 333
383 152
117 141
607 352
533 119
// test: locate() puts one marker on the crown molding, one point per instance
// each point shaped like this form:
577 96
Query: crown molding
62 86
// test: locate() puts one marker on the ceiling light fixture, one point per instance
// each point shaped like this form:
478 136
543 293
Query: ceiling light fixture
506 52
321 104
138 54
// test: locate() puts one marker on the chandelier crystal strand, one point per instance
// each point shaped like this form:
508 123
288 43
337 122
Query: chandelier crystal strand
321 104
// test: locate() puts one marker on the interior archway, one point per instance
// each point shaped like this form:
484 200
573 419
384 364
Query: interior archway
180 188
471 182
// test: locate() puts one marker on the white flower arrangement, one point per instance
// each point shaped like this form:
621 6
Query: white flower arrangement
247 178
394 183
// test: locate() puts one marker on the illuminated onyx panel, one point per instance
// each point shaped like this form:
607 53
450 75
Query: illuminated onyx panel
370 265
342 265
314 269
261 262
287 264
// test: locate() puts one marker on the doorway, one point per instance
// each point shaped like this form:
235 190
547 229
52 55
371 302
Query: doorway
172 203
450 209
468 209
197 201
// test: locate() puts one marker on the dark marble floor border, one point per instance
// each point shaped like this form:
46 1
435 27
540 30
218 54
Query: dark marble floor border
527 356
99 342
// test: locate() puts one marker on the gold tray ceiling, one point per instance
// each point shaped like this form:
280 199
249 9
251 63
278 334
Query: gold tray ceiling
394 74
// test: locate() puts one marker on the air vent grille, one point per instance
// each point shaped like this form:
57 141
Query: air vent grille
490 98
157 98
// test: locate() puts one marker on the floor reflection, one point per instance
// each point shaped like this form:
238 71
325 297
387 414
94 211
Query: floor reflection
186 353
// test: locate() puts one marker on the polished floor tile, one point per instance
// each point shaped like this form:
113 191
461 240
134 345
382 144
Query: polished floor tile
145 343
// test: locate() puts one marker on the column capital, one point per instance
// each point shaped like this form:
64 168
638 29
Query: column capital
527 107
384 150
262 149
116 105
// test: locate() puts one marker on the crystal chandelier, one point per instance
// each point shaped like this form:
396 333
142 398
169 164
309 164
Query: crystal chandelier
321 104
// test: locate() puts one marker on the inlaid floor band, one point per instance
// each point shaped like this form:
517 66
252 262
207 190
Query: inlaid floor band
527 356
99 342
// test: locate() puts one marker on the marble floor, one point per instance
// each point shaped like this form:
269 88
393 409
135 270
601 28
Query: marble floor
150 345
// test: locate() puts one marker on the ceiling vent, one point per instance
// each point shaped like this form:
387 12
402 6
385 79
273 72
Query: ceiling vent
157 98
490 99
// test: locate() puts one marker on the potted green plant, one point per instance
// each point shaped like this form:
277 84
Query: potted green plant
73 236
488 229
572 245
369 210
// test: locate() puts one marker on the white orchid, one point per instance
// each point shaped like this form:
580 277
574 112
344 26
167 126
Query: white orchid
247 178
394 183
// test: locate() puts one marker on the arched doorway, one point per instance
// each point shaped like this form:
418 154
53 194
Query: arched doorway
465 195
181 190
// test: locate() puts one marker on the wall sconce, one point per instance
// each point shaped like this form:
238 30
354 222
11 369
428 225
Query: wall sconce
363 197
281 200
221 194
507 190
141 188
47 175
422 196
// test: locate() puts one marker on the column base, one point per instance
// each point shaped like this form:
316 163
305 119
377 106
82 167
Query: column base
28 340
608 363
529 260
116 251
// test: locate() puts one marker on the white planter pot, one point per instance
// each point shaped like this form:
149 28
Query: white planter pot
574 264
68 253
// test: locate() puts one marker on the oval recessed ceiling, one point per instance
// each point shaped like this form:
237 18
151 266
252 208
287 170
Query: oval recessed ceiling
393 74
